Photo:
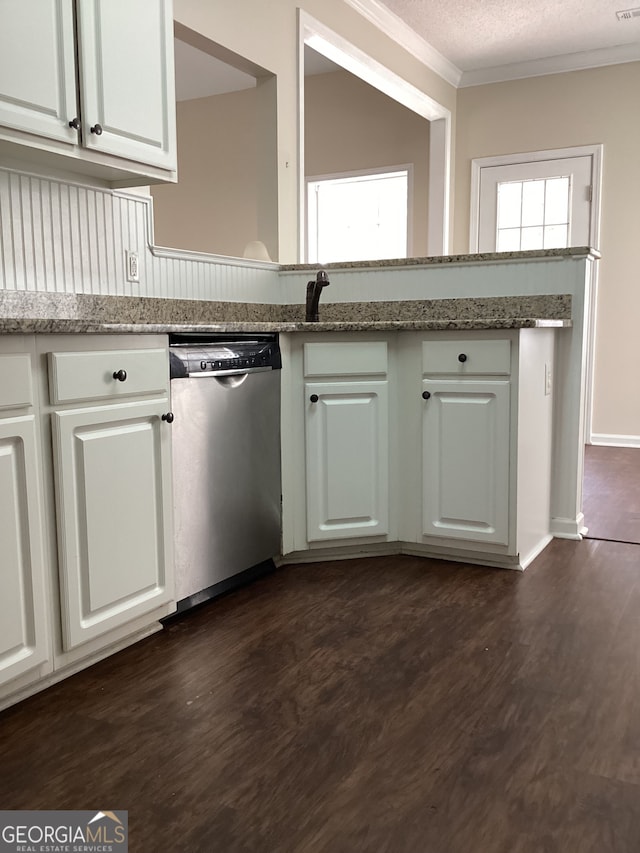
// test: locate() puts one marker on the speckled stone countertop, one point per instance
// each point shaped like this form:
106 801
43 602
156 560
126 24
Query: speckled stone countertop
67 313
492 257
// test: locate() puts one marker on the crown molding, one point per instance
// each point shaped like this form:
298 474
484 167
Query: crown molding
552 65
400 32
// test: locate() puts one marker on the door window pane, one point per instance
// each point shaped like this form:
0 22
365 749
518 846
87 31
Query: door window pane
509 204
557 202
533 203
533 214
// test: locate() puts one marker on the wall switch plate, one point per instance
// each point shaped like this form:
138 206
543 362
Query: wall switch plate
547 379
133 266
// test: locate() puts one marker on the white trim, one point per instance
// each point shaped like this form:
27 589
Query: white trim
345 54
438 225
609 440
218 260
567 528
394 27
535 552
336 48
551 65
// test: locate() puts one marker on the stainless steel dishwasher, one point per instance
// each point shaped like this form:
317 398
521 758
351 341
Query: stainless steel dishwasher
225 397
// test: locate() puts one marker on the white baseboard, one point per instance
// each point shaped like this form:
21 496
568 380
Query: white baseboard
535 552
568 528
615 440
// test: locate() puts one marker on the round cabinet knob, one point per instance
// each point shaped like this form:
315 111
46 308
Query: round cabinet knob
97 129
462 357
75 123
314 398
168 417
426 395
120 375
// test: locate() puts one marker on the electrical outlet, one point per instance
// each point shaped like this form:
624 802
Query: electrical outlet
133 266
547 379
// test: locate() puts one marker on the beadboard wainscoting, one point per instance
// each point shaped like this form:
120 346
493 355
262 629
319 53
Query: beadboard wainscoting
64 237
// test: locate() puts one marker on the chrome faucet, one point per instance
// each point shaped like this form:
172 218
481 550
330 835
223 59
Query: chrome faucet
314 289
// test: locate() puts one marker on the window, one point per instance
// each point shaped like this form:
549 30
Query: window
533 214
358 217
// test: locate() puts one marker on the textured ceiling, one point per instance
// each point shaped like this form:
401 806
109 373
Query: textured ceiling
476 34
472 34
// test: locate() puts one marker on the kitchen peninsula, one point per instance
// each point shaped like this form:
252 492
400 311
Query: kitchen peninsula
425 423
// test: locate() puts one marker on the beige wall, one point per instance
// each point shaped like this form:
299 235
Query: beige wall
351 126
267 34
213 206
580 108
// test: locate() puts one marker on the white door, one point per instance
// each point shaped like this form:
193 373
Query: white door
23 619
37 68
533 204
112 466
465 457
127 79
347 459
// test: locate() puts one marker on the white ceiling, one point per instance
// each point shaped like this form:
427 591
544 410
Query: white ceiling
199 75
479 34
480 40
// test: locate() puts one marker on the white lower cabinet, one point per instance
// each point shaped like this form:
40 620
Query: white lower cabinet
439 442
25 646
81 422
465 460
113 496
347 459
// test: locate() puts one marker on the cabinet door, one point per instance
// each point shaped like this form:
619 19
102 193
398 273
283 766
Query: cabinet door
113 490
465 440
347 459
23 623
37 68
127 79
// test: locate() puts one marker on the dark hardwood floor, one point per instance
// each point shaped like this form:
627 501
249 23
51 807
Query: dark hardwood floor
611 498
388 705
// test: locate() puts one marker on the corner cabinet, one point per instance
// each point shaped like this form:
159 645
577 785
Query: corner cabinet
94 91
433 443
466 439
94 571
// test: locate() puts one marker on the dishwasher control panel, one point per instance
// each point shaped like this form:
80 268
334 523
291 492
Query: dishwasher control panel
191 357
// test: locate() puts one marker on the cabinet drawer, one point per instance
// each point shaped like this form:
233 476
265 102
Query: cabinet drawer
345 358
466 358
16 390
75 376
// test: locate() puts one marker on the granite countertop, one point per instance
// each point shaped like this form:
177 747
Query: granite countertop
478 257
72 314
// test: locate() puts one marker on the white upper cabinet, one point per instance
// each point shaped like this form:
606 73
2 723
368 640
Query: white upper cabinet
37 68
88 86
127 79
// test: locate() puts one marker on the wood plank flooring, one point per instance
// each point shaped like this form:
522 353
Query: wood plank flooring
387 705
612 493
